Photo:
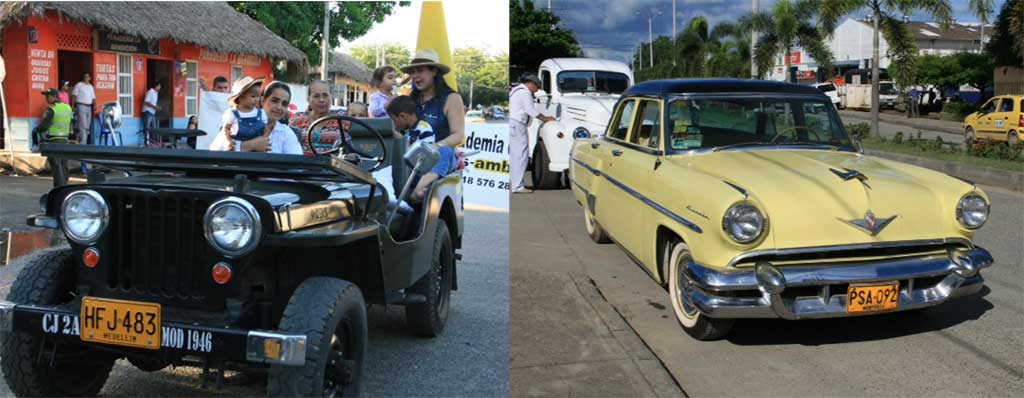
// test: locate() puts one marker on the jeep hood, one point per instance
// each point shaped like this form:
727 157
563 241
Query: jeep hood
807 204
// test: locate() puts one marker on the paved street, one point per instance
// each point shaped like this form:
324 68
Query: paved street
970 347
469 359
889 129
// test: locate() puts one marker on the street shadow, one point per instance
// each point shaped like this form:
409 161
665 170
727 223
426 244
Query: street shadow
815 332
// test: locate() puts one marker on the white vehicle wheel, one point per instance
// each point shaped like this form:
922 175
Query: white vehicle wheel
694 323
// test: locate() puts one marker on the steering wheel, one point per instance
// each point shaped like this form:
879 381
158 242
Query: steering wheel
342 147
784 134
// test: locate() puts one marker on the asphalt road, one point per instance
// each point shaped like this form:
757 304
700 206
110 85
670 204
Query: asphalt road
970 347
469 359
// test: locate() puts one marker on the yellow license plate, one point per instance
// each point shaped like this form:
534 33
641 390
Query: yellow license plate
121 322
872 298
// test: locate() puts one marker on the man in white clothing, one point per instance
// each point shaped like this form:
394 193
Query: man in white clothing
522 108
83 101
149 109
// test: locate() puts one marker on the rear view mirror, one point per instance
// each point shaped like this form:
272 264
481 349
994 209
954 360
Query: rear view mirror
422 157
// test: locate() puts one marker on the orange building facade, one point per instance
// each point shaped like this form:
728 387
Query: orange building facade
41 52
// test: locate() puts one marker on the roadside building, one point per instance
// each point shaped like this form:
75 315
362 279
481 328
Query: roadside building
350 79
126 47
851 45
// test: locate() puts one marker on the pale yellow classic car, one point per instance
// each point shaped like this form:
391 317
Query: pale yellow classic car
747 199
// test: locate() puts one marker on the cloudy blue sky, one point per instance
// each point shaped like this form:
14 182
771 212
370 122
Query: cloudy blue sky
612 29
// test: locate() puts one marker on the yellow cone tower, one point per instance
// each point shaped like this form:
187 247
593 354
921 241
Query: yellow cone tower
433 35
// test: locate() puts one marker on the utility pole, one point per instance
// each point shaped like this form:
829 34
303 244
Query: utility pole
673 33
471 94
650 35
326 40
641 52
549 6
753 44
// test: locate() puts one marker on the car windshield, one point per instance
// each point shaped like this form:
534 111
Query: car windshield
718 123
592 81
887 89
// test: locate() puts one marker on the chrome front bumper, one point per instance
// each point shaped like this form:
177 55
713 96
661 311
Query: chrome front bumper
768 291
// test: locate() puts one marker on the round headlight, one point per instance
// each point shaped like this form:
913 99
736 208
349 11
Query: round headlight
84 216
743 223
580 133
972 211
232 226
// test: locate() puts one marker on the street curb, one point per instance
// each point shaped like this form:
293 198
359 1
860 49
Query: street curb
908 123
1013 181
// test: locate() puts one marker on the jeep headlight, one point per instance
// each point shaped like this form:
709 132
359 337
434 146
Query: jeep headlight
972 211
580 133
232 226
743 223
84 215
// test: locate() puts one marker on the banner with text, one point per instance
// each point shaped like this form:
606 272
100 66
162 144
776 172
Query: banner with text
485 179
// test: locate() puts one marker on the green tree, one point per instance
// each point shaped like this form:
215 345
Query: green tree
302 23
954 70
886 20
488 74
395 54
534 36
1007 42
789 24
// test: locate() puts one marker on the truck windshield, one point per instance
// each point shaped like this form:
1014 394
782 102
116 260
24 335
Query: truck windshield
886 88
592 82
719 123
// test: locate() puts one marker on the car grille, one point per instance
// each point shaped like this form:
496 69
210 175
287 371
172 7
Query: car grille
160 249
825 255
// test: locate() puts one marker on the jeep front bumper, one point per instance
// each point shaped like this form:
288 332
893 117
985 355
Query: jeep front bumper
236 345
819 291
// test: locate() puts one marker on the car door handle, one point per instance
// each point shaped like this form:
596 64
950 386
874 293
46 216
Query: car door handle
594 145
616 152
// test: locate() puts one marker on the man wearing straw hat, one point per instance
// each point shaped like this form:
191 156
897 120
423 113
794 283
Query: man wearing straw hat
521 110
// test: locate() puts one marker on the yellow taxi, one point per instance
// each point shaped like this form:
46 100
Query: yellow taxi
999 119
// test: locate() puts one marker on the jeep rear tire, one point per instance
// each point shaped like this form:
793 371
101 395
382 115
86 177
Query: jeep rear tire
332 314
696 324
48 278
429 318
543 178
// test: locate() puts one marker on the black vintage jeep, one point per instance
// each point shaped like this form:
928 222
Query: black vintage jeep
230 261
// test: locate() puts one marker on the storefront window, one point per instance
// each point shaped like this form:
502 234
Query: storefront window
124 84
192 88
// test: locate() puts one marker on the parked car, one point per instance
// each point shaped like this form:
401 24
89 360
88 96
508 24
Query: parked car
475 117
999 119
230 260
747 199
829 89
579 92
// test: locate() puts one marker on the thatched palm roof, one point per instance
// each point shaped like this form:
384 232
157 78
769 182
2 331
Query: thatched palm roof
213 25
349 66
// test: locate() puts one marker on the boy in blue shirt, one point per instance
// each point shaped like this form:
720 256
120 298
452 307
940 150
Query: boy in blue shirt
402 110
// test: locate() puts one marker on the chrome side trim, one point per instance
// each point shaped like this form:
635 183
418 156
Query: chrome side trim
295 217
846 247
275 348
44 221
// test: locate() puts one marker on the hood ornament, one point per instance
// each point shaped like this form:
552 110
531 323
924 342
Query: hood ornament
849 174
870 223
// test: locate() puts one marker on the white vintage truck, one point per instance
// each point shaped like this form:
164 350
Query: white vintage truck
580 93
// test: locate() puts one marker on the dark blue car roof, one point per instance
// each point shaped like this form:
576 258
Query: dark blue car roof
684 86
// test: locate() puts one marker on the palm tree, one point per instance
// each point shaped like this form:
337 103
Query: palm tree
728 52
1017 26
691 48
789 24
884 14
982 9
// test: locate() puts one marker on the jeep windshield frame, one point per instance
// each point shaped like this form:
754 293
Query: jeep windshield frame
213 163
602 81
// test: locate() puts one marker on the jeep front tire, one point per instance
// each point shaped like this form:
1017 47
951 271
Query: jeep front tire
332 314
48 278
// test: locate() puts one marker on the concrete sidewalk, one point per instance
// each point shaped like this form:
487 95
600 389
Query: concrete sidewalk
920 123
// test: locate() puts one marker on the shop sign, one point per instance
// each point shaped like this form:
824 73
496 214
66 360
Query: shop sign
229 58
41 64
122 43
106 76
794 58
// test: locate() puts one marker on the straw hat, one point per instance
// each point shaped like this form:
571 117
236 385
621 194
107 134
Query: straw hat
426 58
242 85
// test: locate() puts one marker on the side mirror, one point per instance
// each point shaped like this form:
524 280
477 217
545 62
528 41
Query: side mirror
112 115
422 157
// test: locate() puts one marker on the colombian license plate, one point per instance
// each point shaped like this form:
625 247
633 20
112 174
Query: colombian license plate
872 298
120 322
